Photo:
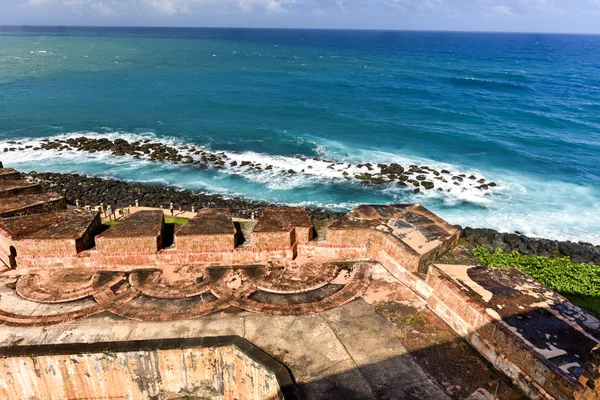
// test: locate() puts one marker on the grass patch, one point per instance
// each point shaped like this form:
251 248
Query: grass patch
176 220
111 223
580 283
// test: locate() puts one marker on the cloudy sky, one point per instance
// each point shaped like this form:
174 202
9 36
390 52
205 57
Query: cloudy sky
581 16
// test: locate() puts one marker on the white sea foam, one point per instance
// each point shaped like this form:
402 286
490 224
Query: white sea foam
519 203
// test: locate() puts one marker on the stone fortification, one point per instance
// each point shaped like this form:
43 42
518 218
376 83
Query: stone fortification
67 268
225 368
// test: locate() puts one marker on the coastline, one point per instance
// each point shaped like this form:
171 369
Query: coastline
93 191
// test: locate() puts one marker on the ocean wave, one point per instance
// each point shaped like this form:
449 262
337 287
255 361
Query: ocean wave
487 84
518 203
335 164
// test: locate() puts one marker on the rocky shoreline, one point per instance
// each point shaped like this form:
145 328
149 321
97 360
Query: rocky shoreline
411 177
580 252
92 191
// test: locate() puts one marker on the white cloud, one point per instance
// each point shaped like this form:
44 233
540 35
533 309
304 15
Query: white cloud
498 10
163 7
421 6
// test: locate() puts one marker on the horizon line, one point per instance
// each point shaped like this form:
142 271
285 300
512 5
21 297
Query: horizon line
301 28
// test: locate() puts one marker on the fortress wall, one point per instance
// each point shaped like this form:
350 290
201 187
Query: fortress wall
502 348
205 243
496 342
327 250
128 245
48 206
239 255
88 237
402 254
590 379
49 247
445 247
273 240
92 259
211 372
348 237
303 234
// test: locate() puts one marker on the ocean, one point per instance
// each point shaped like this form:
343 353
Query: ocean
522 110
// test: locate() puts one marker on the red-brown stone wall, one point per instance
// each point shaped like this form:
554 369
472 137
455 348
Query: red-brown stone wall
322 249
49 206
494 341
127 245
272 240
46 247
398 251
589 381
303 235
205 243
348 237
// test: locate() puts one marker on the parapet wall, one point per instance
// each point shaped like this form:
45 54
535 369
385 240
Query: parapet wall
590 379
226 368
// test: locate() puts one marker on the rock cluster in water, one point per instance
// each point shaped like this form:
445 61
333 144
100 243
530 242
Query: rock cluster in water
578 252
413 177
93 191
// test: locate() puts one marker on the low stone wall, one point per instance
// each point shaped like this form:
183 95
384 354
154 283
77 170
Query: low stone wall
578 252
226 368
93 259
590 379
327 250
496 342
205 243
273 240
538 378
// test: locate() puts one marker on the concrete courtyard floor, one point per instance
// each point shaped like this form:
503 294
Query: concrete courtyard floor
385 345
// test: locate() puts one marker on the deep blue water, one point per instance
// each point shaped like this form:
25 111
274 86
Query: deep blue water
522 110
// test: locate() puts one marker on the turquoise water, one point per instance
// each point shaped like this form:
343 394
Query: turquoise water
522 110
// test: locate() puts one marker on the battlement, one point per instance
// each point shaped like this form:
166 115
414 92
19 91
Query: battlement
141 233
211 230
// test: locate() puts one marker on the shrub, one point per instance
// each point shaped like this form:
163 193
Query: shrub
580 283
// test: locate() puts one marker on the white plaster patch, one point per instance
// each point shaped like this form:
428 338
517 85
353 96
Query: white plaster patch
460 275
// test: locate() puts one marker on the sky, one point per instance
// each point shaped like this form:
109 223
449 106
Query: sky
570 16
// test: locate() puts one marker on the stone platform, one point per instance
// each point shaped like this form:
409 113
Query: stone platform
31 204
14 188
363 349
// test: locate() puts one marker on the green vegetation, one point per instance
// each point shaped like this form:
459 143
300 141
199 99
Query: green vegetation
580 283
111 223
176 220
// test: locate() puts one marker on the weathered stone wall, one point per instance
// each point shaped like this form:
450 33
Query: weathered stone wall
590 379
273 240
211 373
348 237
303 234
50 205
402 254
93 259
205 243
57 247
128 245
495 341
322 249
443 248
